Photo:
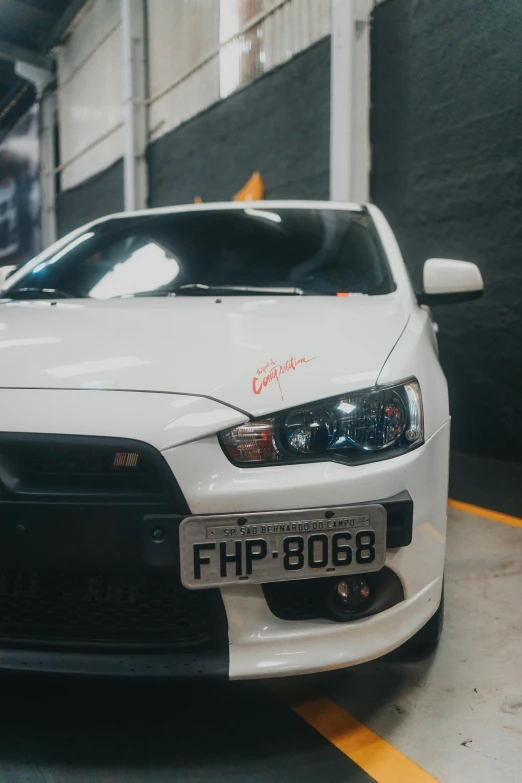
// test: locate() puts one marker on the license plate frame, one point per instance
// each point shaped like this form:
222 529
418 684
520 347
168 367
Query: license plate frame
208 532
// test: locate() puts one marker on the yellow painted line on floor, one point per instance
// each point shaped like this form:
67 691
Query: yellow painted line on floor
486 513
379 759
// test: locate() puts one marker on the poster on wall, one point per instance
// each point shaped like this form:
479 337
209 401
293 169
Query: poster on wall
20 192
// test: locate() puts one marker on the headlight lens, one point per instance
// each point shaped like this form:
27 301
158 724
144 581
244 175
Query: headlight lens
359 427
373 421
309 431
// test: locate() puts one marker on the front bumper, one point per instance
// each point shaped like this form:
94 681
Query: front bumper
259 644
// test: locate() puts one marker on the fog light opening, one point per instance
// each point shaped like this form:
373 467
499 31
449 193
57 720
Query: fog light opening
350 596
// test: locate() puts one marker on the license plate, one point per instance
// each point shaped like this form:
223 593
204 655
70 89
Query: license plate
279 546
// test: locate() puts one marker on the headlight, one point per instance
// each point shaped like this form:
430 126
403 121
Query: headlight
360 427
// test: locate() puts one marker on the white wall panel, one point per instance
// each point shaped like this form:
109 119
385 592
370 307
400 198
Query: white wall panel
183 60
90 94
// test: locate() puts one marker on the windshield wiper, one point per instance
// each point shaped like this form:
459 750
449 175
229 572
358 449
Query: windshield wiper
154 292
201 289
37 293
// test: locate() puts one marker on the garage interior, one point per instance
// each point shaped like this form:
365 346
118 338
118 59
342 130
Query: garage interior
112 105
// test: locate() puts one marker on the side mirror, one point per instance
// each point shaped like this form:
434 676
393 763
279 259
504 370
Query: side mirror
5 272
446 280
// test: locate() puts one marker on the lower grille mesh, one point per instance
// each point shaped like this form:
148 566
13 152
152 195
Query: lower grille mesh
143 609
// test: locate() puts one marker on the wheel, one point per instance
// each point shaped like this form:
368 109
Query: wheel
428 637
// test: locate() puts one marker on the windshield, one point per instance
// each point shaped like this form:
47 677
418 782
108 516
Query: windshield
204 252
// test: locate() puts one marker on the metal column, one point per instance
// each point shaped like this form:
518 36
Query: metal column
48 163
350 100
134 104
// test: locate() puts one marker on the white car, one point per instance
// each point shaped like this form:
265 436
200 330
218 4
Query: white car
224 438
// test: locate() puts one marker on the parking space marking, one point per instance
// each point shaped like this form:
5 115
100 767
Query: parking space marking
486 513
375 756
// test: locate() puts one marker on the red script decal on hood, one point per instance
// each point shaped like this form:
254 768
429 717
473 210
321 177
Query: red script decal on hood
272 371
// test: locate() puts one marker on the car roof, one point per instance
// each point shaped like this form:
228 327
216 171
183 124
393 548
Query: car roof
223 205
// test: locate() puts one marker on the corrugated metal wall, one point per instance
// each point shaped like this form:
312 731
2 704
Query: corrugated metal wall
90 94
258 35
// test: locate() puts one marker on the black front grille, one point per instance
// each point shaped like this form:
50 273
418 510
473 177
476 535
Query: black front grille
79 563
92 468
143 610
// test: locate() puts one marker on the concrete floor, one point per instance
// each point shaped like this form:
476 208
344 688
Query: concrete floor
458 714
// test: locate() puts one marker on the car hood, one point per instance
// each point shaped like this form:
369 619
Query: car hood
258 354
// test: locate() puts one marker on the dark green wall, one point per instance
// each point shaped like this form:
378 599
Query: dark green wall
93 198
446 130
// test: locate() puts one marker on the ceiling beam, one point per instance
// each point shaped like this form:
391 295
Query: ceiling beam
14 53
58 32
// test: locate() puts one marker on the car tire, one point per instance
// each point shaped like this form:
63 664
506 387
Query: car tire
428 637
